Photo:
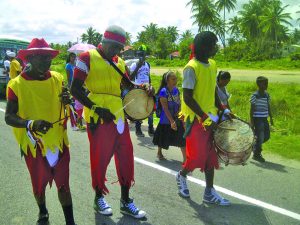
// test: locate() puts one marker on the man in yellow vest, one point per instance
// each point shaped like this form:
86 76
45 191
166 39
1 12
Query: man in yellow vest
15 67
200 113
107 128
35 110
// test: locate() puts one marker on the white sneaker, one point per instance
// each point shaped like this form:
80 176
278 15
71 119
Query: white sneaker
130 209
101 206
215 198
183 190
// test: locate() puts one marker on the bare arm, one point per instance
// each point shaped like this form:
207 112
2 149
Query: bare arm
270 114
191 102
79 94
11 117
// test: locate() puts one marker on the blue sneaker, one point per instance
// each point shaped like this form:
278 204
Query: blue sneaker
101 206
130 209
214 198
183 190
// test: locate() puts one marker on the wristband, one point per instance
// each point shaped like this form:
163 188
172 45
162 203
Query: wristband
207 122
29 124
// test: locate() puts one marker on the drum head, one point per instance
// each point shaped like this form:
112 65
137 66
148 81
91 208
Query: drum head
138 104
234 140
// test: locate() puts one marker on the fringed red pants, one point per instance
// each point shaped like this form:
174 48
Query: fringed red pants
104 143
41 173
200 150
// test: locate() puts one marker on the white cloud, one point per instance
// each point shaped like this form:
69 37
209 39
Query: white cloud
62 21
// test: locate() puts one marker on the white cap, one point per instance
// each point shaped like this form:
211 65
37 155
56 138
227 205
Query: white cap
11 54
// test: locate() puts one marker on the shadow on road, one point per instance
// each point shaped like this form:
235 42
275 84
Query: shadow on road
236 214
124 220
270 166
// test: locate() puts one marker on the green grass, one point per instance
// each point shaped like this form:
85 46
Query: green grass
285 105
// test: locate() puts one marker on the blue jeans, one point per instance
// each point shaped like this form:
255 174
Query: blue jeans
139 122
262 133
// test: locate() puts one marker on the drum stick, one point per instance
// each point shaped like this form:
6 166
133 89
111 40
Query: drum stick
225 128
123 107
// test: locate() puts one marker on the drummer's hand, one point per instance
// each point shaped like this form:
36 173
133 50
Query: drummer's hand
149 89
41 126
105 114
174 125
65 96
210 123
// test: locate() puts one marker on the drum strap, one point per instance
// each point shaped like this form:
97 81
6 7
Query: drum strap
113 65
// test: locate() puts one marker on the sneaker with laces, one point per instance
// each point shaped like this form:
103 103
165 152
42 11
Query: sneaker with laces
43 219
183 190
130 209
101 206
215 198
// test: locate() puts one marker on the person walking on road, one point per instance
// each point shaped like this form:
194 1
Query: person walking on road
34 109
170 130
140 73
107 128
200 115
260 110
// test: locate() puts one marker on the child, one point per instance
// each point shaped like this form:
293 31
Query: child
169 131
259 112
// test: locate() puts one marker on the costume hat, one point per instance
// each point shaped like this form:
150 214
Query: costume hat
37 47
115 34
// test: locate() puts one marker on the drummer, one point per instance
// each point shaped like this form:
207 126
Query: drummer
107 128
200 115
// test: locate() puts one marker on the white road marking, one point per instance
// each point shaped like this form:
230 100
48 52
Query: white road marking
225 191
221 189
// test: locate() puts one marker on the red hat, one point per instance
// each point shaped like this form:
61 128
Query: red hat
37 47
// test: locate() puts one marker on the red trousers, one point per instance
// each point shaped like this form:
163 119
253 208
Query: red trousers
104 143
41 173
200 150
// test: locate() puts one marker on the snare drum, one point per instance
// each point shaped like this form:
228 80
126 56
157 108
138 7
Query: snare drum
234 140
137 104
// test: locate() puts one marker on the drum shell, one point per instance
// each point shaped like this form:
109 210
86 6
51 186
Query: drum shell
241 135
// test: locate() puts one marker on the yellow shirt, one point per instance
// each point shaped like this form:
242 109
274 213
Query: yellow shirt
15 69
103 82
39 100
204 90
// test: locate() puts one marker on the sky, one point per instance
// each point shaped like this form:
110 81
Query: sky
60 21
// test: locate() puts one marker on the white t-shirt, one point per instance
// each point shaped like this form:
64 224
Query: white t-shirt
6 64
143 74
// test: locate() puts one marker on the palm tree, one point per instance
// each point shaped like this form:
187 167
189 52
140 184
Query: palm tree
273 19
172 31
204 14
128 38
234 26
225 4
186 34
88 37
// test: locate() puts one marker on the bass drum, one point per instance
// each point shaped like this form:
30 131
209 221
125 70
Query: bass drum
137 104
234 140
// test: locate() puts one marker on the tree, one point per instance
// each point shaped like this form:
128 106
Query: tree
272 20
204 14
186 34
234 27
91 37
172 31
225 4
128 38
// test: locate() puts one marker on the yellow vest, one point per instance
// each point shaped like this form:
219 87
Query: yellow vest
204 90
39 100
103 82
14 69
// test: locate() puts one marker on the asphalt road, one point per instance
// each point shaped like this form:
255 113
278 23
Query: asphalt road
261 194
281 76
